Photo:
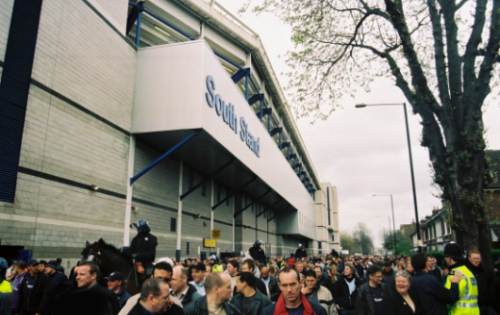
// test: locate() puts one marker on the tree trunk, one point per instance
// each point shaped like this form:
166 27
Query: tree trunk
469 220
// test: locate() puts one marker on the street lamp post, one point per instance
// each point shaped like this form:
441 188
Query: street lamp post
417 224
394 239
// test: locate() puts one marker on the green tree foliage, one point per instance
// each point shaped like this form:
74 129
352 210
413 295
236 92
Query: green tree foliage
442 55
360 242
399 245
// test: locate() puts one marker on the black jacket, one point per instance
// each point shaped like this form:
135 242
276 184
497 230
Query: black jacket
364 301
259 302
199 307
143 247
31 293
341 293
94 300
396 305
258 254
274 289
138 309
189 298
57 284
433 295
300 253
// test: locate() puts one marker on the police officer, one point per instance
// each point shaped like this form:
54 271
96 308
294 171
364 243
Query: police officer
467 303
257 252
300 252
143 245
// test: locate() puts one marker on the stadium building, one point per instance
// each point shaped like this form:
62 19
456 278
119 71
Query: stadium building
164 110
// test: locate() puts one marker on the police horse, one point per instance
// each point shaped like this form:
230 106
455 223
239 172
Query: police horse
111 259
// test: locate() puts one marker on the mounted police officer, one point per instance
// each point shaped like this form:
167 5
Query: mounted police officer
143 245
257 252
467 303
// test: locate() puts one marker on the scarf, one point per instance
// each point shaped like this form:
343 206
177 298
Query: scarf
280 308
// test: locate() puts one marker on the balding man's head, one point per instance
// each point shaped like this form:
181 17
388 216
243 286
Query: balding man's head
218 285
179 279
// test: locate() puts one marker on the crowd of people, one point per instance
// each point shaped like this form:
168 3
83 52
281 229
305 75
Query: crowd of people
255 285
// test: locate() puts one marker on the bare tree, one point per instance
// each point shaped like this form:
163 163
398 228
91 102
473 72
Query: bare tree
441 54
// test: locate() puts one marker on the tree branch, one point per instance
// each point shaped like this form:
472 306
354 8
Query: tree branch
471 48
448 8
419 81
437 33
490 54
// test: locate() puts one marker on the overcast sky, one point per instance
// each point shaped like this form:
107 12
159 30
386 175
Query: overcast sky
363 151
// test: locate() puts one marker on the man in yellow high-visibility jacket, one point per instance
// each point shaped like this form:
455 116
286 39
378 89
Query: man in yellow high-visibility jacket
467 287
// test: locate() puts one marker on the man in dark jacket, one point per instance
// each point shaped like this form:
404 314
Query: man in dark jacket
272 288
372 294
31 290
57 284
248 300
485 281
257 252
154 300
183 293
300 252
248 265
388 273
433 295
218 292
116 283
143 245
88 297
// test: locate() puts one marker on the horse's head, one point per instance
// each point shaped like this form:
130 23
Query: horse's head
93 251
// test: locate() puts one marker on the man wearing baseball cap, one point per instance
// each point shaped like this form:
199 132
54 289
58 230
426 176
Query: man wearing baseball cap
116 284
467 303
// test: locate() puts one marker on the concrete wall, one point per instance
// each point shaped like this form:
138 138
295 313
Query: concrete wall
77 134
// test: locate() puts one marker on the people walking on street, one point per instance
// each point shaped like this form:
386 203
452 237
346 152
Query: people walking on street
433 295
467 303
248 300
291 301
372 294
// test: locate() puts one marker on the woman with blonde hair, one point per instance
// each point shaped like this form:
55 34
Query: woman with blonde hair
402 300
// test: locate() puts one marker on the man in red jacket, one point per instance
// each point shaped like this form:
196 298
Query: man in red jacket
291 301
